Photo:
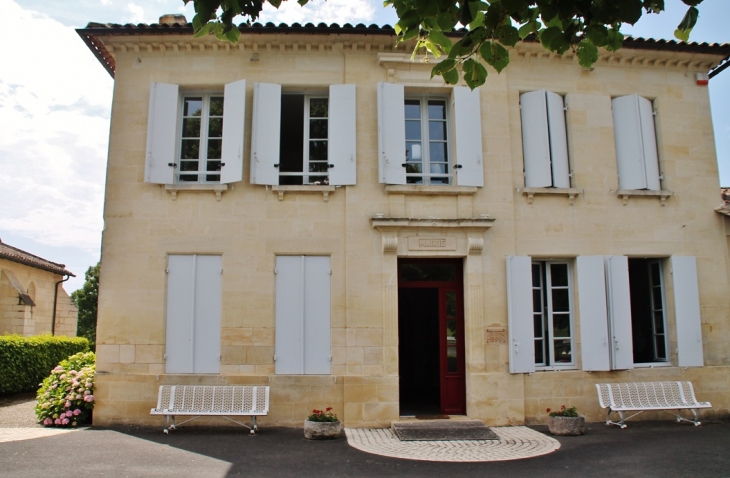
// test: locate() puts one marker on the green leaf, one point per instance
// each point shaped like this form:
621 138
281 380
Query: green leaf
474 73
553 39
303 2
597 34
495 55
206 29
587 53
437 37
614 40
451 77
507 35
687 24
442 67
528 28
630 11
233 35
275 3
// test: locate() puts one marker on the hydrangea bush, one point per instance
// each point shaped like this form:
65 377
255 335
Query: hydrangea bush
66 397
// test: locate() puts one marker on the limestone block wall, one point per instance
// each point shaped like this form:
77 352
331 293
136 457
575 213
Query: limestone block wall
25 320
250 225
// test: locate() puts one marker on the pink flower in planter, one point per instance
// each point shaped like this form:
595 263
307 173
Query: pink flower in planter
47 422
77 412
65 421
68 404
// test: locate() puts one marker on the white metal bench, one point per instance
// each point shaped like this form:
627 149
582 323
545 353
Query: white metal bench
644 396
206 400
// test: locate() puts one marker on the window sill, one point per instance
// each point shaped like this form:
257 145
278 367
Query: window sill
324 190
652 365
217 189
431 190
556 368
625 194
570 193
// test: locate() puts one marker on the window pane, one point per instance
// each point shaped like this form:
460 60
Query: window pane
190 149
413 152
451 306
539 354
440 180
436 110
318 107
559 274
451 342
191 128
562 351
655 273
561 301
428 272
661 352
188 177
437 130
539 329
215 128
561 325
193 106
413 130
438 152
318 129
413 109
214 148
659 322
216 106
536 300
188 165
213 166
656 293
318 167
439 168
318 150
536 279
413 168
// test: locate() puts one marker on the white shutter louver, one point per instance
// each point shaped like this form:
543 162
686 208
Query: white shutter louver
162 128
289 315
469 165
687 311
391 134
535 140
180 314
636 148
317 315
521 323
593 313
265 134
619 312
207 323
234 114
558 140
342 135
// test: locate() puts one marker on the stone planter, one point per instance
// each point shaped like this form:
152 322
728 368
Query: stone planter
321 430
567 425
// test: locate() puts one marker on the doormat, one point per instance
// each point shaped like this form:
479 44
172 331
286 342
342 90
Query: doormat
443 430
432 417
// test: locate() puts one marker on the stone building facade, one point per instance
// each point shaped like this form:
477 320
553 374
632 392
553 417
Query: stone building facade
309 210
29 286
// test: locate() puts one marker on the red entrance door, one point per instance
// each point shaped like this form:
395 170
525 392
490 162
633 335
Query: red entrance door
431 337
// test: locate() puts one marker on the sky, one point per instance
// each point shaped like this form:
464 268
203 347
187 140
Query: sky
55 104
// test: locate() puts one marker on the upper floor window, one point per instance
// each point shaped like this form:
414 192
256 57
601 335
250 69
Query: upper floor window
201 139
544 140
303 141
303 138
636 146
427 140
192 138
427 147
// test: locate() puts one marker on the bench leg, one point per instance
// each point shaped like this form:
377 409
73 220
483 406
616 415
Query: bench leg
621 414
696 421
165 430
254 427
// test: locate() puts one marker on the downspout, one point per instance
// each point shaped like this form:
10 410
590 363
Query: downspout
55 300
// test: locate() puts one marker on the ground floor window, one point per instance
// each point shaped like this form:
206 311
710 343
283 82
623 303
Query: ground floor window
552 313
648 322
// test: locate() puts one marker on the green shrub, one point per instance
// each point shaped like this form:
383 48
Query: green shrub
26 361
66 397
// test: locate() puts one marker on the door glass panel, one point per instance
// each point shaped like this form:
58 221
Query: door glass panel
428 272
451 337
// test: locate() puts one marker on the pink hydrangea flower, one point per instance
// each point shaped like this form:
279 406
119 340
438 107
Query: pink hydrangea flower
89 398
47 422
77 412
68 404
57 421
65 421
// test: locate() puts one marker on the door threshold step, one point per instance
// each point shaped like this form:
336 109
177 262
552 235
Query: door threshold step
442 430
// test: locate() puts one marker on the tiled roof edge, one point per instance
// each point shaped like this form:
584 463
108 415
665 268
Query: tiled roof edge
28 259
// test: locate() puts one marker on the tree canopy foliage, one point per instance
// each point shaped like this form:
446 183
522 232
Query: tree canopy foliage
87 299
490 26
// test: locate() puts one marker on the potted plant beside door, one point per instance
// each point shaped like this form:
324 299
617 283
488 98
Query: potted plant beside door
322 425
566 421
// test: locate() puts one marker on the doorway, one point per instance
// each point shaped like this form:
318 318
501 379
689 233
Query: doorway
431 337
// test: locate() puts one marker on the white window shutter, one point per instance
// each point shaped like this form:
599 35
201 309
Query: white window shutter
180 314
342 135
519 304
289 315
468 137
648 140
234 115
629 143
687 311
265 134
207 336
619 312
317 315
593 313
535 139
391 134
162 129
558 140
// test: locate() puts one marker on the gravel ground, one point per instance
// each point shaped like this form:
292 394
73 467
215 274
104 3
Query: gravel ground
17 411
